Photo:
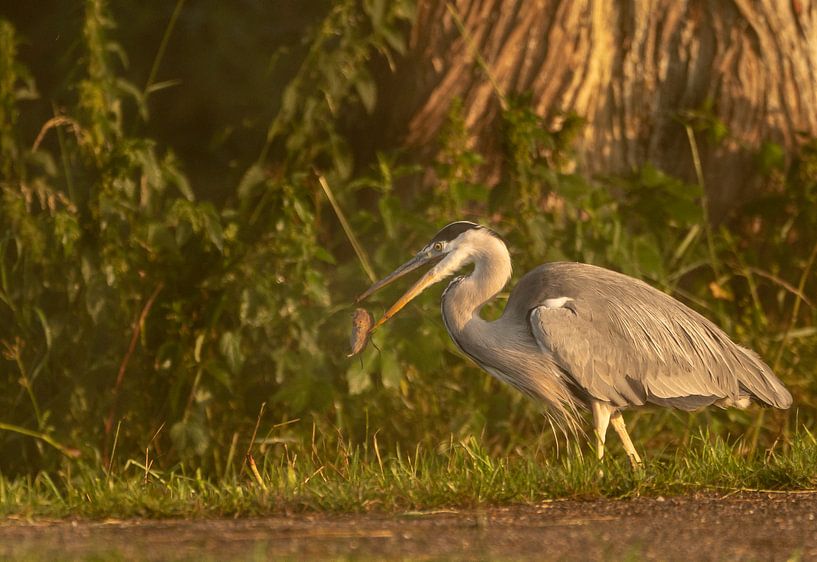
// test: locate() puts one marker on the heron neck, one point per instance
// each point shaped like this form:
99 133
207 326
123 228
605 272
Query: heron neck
465 297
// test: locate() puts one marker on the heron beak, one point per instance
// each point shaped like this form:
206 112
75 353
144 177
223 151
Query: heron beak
428 279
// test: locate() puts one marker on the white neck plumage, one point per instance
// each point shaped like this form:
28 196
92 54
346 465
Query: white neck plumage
465 296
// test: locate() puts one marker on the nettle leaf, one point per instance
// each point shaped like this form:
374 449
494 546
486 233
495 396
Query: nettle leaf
97 295
341 156
174 176
190 436
254 309
648 257
252 179
366 91
146 158
395 39
183 232
390 371
67 231
359 373
771 156
423 346
46 328
377 12
230 347
324 255
212 226
300 210
161 238
316 288
42 160
218 371
302 390
289 100
573 187
357 379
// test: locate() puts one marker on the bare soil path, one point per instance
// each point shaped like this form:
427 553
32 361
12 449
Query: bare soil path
745 526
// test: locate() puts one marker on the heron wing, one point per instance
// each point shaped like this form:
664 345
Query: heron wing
627 343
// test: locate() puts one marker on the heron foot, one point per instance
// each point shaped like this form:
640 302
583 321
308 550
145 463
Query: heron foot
635 462
617 421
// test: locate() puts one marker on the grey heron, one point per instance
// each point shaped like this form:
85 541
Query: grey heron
578 336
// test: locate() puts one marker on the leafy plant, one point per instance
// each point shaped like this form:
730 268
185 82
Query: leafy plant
136 316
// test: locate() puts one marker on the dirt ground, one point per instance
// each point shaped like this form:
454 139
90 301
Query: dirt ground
745 526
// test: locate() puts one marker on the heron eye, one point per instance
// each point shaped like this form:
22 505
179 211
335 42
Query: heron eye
438 247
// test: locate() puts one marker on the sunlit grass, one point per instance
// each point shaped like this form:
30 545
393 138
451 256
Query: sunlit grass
364 478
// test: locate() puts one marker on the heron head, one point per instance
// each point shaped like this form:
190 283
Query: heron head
451 248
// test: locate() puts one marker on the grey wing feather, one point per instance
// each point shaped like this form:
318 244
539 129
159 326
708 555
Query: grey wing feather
628 343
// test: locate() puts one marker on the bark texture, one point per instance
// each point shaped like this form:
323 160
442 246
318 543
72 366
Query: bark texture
629 67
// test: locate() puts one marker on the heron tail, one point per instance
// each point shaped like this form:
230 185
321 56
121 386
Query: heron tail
761 383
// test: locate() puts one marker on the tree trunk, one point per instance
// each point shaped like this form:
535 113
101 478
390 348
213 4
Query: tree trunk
630 68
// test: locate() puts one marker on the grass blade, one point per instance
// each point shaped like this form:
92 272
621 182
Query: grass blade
361 254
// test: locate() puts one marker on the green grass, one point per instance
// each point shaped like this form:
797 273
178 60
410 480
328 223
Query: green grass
364 478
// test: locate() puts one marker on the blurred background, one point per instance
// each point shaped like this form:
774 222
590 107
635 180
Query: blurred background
170 261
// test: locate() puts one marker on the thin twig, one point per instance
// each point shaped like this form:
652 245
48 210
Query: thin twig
14 352
248 454
255 473
120 377
66 161
786 334
699 173
361 254
248 458
54 122
156 434
231 454
147 450
783 283
113 451
47 439
154 69
796 308
148 464
192 394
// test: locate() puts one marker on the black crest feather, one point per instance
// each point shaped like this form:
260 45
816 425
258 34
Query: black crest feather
451 231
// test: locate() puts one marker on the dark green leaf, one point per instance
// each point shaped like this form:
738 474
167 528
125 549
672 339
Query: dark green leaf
366 91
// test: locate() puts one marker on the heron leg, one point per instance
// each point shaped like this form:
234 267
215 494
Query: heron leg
617 421
601 419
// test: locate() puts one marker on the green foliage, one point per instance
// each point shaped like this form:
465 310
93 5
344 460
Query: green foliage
334 78
134 315
15 85
457 167
83 246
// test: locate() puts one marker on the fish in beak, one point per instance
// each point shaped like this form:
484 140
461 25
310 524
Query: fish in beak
416 262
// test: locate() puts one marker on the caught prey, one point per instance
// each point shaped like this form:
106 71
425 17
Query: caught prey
361 325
